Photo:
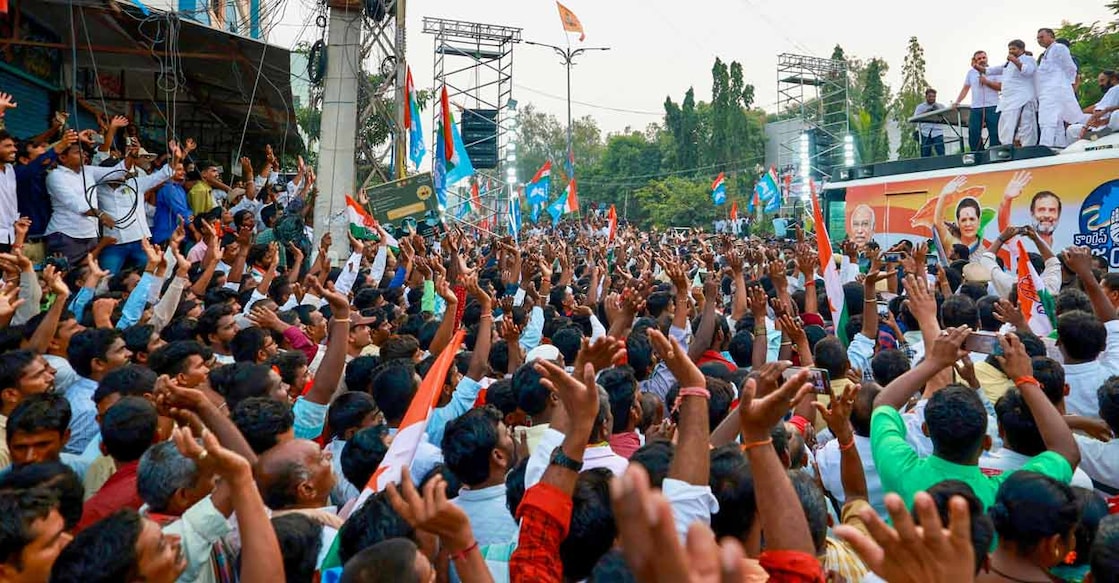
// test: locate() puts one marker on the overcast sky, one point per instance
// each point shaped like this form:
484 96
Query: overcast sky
661 47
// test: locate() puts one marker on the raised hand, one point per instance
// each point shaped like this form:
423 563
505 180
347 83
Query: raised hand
432 512
905 552
759 414
837 413
600 354
946 350
1015 361
1017 184
6 103
211 455
953 186
1079 260
118 121
579 397
676 358
10 300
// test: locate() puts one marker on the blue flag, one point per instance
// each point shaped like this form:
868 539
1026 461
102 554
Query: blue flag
515 217
463 168
767 192
439 174
416 148
557 208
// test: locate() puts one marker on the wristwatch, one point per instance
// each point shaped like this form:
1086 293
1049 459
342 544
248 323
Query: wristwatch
560 459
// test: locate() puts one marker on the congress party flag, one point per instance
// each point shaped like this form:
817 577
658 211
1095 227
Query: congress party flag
734 211
832 284
613 219
768 192
537 189
719 189
570 21
416 148
1034 299
558 207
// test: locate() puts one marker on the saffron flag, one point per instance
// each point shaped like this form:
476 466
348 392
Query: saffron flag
571 194
475 199
613 219
537 188
570 21
719 189
1034 299
362 225
416 148
734 211
832 284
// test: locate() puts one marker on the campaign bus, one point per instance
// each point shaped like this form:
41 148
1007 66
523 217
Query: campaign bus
1071 197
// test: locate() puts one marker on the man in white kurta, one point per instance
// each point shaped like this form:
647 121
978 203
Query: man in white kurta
1018 100
1056 100
1099 115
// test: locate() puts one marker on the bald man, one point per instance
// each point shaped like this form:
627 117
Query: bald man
295 475
862 225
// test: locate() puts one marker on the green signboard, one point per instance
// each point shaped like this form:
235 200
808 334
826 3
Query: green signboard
408 205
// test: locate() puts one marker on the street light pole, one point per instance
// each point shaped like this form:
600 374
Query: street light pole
567 56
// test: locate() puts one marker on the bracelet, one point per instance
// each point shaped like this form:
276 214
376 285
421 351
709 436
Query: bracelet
810 283
753 444
758 331
1026 380
334 320
847 446
462 554
695 392
486 315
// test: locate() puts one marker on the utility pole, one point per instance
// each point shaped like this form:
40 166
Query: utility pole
567 56
400 151
339 120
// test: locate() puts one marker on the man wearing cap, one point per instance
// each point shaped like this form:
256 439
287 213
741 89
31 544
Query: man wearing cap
360 333
124 204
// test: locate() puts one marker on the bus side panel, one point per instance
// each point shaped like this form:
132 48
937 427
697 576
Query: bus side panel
1070 204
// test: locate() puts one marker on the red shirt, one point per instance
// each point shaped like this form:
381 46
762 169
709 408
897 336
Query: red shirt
118 492
713 356
545 515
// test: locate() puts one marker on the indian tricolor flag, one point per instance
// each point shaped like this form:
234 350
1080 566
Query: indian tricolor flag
408 437
572 195
1034 299
362 225
832 284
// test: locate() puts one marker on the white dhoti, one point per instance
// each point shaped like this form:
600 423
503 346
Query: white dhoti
1019 124
1053 112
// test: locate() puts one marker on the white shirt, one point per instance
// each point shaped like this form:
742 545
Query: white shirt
1110 99
1017 84
1055 74
981 95
827 463
125 199
69 202
927 129
1085 379
1005 460
9 205
1100 461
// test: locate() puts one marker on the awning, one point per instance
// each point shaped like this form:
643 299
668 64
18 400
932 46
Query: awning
134 57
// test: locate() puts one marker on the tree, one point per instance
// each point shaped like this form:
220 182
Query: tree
671 202
871 113
911 94
682 121
1095 48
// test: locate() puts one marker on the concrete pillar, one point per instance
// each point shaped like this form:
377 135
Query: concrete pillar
339 120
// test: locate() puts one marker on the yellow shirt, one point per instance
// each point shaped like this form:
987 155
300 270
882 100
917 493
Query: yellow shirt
201 198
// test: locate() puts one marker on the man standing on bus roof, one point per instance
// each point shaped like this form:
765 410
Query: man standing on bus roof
862 224
1018 101
1099 115
929 135
984 90
1056 100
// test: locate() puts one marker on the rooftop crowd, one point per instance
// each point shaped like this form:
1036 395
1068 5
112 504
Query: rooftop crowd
195 393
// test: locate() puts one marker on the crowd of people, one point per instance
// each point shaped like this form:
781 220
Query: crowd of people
198 394
1024 101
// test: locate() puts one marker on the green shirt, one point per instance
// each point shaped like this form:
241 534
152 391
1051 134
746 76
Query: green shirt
903 472
201 198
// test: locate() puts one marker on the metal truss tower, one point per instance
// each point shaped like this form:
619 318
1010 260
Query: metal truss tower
474 62
814 91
